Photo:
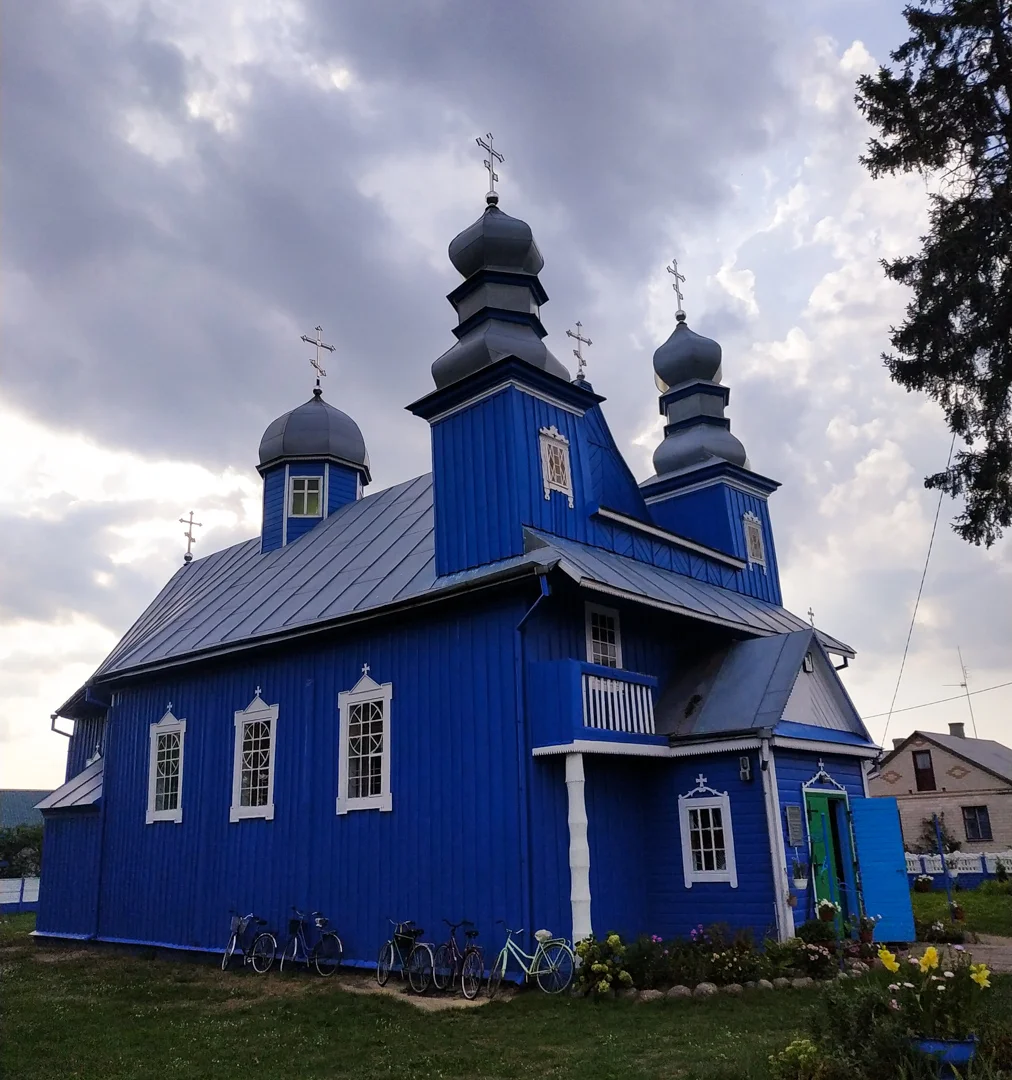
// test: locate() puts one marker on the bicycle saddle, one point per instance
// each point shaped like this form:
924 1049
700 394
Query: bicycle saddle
470 933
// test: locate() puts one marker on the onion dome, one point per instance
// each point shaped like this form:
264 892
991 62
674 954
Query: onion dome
698 444
686 355
314 431
499 303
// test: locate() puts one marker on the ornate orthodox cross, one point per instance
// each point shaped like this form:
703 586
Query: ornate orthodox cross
320 344
493 157
190 538
679 278
578 351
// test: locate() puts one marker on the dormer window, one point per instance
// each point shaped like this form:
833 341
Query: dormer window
755 548
304 500
555 472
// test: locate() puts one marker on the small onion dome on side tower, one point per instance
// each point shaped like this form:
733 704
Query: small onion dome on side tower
498 304
686 355
315 431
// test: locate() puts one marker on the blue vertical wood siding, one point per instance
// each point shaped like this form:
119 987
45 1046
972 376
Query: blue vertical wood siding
274 509
88 733
343 486
68 890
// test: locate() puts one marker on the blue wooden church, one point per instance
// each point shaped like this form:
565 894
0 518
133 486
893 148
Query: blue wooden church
521 686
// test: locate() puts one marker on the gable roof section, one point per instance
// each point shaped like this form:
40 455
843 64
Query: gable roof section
373 554
994 757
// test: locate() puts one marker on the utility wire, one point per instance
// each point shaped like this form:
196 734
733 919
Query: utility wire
917 602
939 701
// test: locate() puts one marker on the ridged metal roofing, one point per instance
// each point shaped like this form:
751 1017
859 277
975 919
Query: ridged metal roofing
82 790
374 553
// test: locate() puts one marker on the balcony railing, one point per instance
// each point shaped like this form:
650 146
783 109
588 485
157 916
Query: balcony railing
613 704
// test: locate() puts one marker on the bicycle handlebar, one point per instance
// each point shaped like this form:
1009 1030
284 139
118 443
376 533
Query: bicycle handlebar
455 925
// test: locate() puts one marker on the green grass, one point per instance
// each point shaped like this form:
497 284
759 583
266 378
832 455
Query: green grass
107 1016
986 912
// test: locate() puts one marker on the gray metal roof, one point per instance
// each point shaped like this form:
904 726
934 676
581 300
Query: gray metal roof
987 753
374 553
314 430
17 807
496 241
82 790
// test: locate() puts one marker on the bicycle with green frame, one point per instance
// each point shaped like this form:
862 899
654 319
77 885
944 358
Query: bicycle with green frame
552 964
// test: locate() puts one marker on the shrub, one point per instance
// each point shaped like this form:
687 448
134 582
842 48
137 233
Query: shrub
939 931
648 961
738 966
817 932
996 886
1000 871
799 1060
818 961
602 967
783 958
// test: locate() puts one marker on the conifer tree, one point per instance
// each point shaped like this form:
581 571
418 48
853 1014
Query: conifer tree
943 110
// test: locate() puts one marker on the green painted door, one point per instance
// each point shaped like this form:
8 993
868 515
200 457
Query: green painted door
824 854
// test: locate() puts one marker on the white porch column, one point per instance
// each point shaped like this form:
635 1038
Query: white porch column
778 853
579 848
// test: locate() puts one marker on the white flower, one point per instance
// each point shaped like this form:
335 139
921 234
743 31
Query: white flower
894 986
909 986
939 988
949 974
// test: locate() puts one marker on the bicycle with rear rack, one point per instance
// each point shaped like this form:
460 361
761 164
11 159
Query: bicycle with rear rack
552 964
449 962
405 953
256 947
326 951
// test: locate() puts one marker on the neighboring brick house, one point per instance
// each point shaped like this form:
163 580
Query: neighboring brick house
969 780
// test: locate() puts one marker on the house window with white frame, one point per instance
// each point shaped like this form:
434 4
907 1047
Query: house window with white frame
253 762
755 547
707 838
305 500
165 770
364 777
556 474
604 639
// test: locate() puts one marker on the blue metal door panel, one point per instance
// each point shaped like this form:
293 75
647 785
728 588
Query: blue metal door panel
883 867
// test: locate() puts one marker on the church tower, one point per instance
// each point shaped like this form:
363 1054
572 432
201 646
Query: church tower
704 487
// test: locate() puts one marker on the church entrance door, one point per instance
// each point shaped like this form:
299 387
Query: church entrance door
832 855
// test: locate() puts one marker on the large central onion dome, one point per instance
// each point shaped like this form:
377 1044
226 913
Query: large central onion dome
314 431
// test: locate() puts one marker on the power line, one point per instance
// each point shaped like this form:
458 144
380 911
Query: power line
920 589
939 701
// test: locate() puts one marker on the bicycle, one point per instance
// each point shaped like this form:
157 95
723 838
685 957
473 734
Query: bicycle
413 956
261 950
326 953
552 963
449 962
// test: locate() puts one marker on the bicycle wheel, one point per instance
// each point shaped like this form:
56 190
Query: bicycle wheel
265 947
555 972
420 968
227 954
291 951
327 954
443 967
496 974
471 971
385 963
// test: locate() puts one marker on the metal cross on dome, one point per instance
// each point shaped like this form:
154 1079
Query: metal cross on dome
581 363
493 157
811 616
679 278
190 538
320 344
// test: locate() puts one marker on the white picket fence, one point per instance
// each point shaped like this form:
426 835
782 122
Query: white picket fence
959 862
19 890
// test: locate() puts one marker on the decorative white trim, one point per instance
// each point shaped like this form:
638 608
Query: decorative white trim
579 847
168 725
753 529
836 749
603 746
256 711
733 482
702 797
500 388
611 613
551 439
671 538
321 480
778 853
365 690
866 768
822 778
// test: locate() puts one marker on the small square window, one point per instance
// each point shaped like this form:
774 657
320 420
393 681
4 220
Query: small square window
555 471
305 499
977 822
755 547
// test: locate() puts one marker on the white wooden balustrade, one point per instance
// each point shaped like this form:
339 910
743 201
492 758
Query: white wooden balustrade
617 705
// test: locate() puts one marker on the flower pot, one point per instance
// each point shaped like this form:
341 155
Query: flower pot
800 884
867 936
827 914
792 900
949 1054
958 913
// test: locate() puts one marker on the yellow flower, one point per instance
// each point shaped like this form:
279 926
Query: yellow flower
929 960
979 974
888 959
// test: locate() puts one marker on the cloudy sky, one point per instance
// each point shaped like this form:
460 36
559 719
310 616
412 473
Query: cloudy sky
190 185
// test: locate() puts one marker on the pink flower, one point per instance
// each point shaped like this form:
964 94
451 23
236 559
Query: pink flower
894 1004
958 948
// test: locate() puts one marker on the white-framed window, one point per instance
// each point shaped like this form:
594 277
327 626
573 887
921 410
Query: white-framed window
604 636
165 769
364 753
556 474
305 499
707 837
755 547
253 761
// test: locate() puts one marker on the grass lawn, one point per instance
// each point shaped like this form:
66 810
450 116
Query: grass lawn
986 913
92 1014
